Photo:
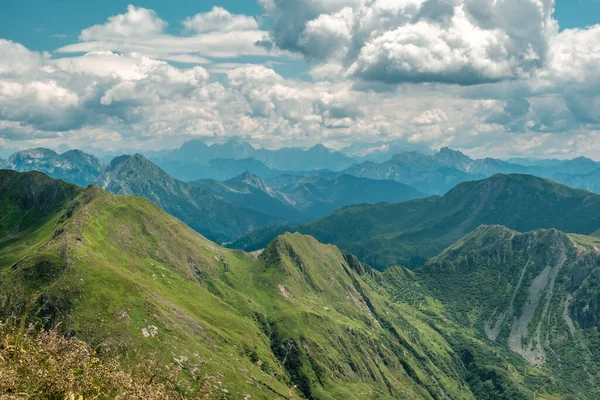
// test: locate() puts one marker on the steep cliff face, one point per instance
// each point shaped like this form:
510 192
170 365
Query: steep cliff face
534 293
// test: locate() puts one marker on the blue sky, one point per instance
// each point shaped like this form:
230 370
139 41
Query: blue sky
34 22
301 72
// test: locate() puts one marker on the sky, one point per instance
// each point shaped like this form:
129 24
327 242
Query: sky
496 78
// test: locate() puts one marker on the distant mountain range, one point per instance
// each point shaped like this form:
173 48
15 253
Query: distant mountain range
434 173
223 211
409 233
195 160
247 195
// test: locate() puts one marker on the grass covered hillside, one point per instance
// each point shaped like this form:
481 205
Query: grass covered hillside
409 233
299 320
204 210
534 293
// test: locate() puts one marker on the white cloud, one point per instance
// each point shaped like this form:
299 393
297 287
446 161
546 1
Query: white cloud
219 19
216 34
137 22
452 41
534 89
16 59
431 117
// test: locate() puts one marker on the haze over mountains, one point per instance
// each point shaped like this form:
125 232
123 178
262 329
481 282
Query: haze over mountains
434 173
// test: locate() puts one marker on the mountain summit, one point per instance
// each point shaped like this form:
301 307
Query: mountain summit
207 213
409 233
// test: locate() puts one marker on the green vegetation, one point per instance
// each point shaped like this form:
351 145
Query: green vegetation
412 232
47 365
203 210
297 320
533 293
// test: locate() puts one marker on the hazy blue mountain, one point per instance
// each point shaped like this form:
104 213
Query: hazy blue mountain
409 233
198 151
588 181
213 216
382 151
219 169
579 165
317 157
251 192
318 197
422 172
73 166
535 162
307 198
438 173
194 154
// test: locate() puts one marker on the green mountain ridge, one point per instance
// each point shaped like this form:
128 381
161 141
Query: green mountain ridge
535 293
409 233
134 282
204 211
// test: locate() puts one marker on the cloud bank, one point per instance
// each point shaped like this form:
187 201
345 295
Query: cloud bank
488 77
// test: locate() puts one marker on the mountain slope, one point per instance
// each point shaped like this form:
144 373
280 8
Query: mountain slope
587 181
319 196
203 211
73 166
251 192
135 283
409 233
534 293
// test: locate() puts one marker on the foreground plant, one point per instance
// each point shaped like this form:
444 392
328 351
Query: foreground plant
38 364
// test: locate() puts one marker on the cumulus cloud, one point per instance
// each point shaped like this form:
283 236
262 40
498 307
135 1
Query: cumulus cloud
219 19
452 41
518 86
136 22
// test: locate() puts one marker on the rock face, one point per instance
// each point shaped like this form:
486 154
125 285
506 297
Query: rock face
73 166
535 293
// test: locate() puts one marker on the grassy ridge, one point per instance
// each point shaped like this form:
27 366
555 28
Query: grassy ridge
299 320
410 233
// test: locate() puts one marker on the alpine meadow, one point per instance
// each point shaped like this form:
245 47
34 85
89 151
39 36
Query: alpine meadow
300 199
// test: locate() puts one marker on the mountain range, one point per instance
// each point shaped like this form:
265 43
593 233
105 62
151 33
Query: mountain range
534 293
72 166
498 314
195 160
203 210
430 173
411 232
